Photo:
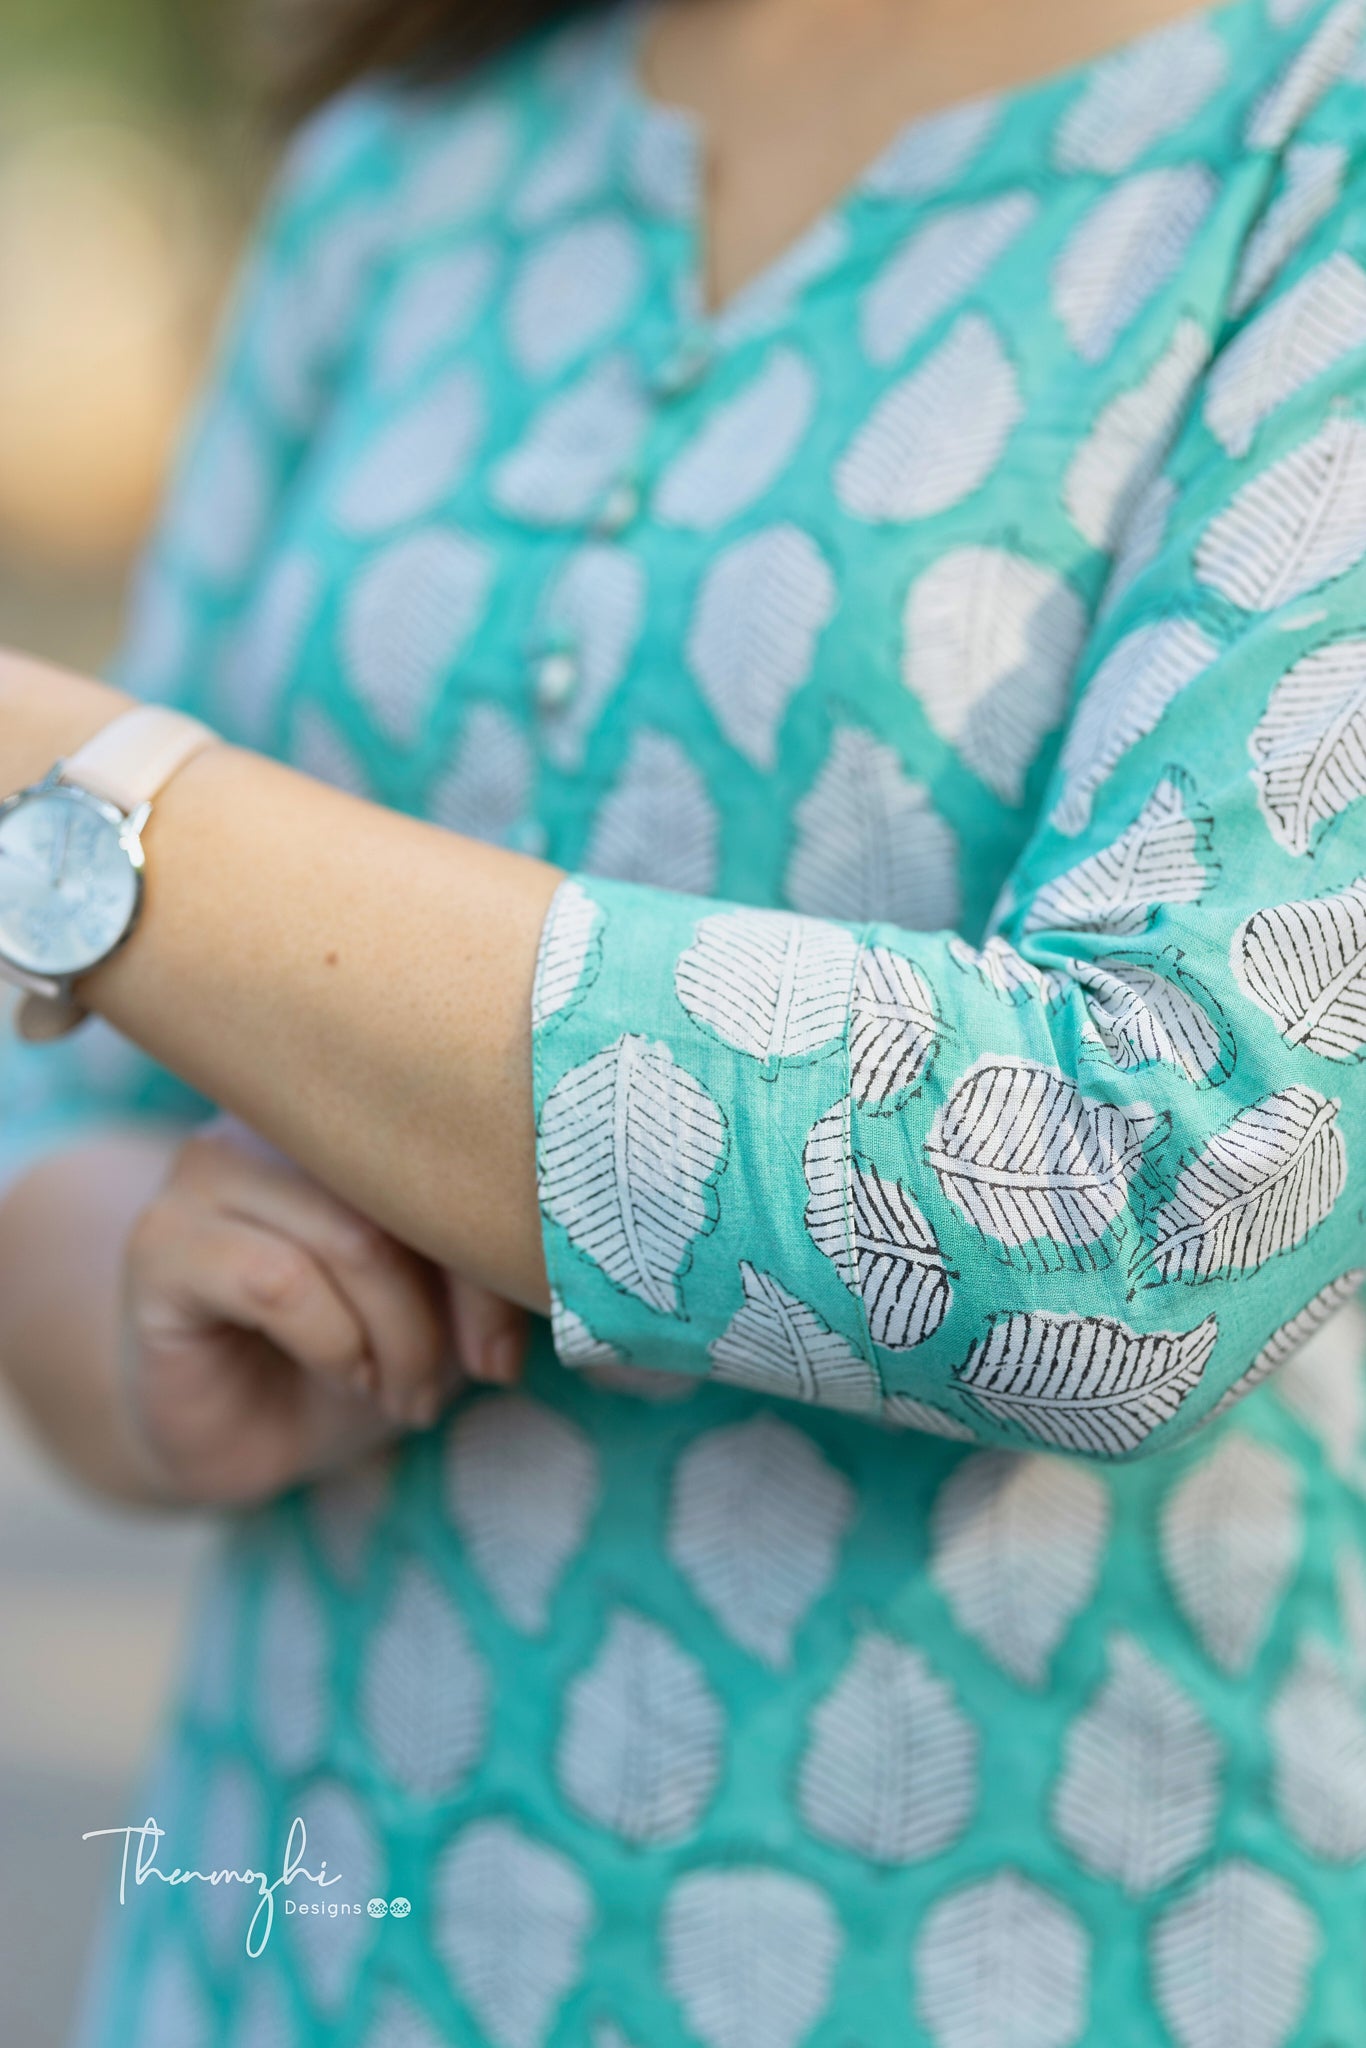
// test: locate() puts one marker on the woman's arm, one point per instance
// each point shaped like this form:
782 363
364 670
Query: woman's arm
354 985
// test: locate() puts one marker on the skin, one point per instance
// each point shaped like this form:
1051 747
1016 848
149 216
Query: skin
213 1322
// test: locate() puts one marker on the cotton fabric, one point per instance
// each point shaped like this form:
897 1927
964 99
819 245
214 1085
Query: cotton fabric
920 1597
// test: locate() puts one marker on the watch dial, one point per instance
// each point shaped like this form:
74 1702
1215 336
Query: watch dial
68 888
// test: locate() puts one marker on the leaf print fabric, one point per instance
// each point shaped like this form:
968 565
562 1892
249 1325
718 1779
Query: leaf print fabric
917 1592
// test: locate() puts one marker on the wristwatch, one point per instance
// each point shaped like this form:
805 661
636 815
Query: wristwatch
71 860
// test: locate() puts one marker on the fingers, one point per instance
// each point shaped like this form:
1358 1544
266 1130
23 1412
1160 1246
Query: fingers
395 1294
490 1333
195 1269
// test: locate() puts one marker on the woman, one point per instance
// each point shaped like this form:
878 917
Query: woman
891 608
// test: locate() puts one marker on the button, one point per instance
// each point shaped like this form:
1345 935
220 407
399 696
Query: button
618 508
683 371
557 678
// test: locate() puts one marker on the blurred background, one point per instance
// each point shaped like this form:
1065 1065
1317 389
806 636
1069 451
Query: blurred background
129 165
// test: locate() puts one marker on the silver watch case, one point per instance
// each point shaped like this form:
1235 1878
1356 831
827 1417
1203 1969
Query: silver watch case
130 826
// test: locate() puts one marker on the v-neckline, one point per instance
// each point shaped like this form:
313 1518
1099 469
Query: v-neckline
680 132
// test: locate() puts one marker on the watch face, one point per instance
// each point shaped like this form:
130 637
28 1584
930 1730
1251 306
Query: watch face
68 886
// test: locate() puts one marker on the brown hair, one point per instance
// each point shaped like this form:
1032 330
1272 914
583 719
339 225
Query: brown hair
311 48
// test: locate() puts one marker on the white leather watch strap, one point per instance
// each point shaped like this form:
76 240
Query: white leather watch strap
136 755
127 763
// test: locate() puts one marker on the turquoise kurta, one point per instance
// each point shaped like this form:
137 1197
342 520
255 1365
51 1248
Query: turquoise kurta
863 1630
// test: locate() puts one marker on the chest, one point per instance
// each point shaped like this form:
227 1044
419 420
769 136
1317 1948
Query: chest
786 608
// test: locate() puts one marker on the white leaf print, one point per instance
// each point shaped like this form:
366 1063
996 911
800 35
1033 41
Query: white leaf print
1296 524
1084 1383
876 1237
890 1771
233 1835
1320 319
773 986
1118 460
640 1745
1123 702
263 656
749 1954
1025 1155
1165 857
424 1690
1350 1575
1231 1959
312 306
742 449
903 1411
1125 248
990 643
293 1683
570 169
433 308
932 152
1287 1340
869 844
521 1487
755 1527
658 826
631 1146
761 609
575 1344
663 165
511 1922
935 268
1318 1748
173 2009
1310 72
1141 542
1309 746
893 1030
340 1844
573 290
1312 182
1324 1387
1138 1793
1148 1009
222 500
414 465
1017 1542
1230 1541
1005 972
398 2024
486 792
458 175
936 436
1142 93
776 1344
345 1509
408 617
265 2019
575 446
595 605
1001 1964
1305 965
1255 1191
770 299
570 944
316 748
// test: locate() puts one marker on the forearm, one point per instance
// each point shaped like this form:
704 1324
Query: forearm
352 983
63 1231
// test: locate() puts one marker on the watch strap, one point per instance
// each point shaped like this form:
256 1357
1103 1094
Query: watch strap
127 763
132 758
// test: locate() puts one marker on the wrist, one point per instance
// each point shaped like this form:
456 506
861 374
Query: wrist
45 714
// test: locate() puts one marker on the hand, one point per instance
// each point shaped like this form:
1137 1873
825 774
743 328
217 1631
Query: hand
270 1333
